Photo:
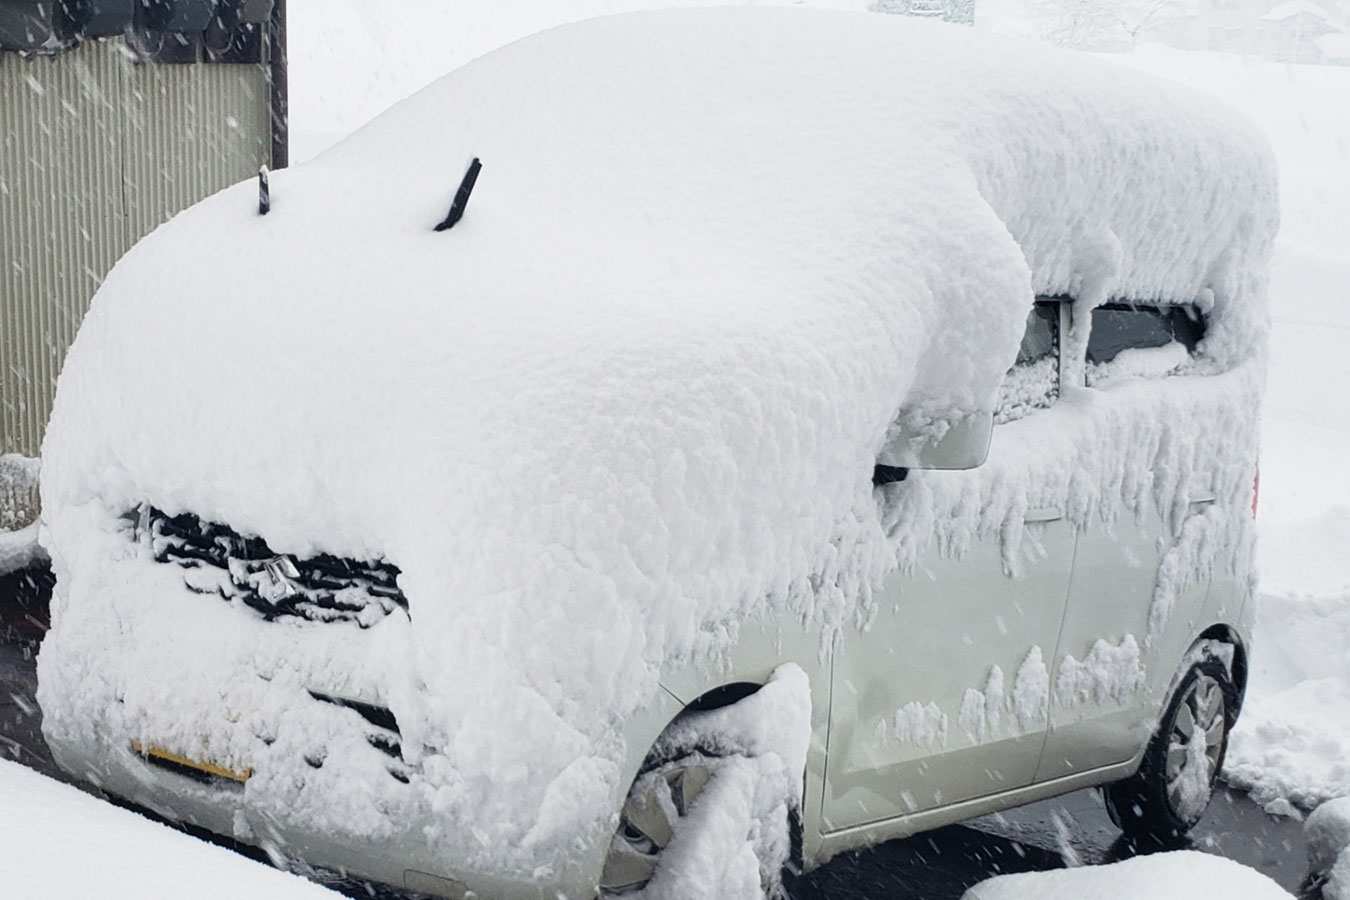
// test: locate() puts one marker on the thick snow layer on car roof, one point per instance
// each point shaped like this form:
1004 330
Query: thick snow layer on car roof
638 391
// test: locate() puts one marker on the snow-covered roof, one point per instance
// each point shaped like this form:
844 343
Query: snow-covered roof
638 391
1292 8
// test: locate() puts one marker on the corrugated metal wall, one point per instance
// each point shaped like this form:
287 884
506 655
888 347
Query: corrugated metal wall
95 151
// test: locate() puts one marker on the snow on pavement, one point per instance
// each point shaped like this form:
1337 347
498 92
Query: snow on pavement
1183 875
74 846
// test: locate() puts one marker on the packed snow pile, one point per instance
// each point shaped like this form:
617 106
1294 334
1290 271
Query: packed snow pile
18 484
1182 875
1293 741
19 546
634 397
1328 833
58 842
20 549
1292 744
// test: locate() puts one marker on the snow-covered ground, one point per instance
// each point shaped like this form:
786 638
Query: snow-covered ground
90 848
1183 875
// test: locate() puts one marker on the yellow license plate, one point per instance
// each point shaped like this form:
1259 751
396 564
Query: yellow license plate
153 753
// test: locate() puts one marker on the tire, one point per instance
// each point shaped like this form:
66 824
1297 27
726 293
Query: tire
1165 799
657 803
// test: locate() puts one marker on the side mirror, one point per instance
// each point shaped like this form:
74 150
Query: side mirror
960 442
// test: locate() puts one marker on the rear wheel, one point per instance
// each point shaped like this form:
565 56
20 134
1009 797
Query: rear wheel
1164 800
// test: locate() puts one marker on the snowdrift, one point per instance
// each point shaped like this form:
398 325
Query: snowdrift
1167 876
61 843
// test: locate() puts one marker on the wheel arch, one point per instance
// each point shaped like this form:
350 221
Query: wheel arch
721 696
646 731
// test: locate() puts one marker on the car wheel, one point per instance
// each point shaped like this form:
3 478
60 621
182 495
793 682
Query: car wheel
657 802
652 818
1164 800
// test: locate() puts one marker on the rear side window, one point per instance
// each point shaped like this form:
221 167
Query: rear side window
1118 326
1033 381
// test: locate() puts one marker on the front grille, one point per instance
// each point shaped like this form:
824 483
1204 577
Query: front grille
322 588
380 730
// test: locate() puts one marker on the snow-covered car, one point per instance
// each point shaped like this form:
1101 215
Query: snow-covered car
818 427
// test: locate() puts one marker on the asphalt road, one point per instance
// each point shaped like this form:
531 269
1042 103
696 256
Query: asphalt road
937 865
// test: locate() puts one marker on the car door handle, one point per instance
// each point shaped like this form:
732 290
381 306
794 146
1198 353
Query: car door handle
1197 504
1043 514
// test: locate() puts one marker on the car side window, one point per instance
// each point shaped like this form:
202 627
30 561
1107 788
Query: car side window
1033 381
1141 341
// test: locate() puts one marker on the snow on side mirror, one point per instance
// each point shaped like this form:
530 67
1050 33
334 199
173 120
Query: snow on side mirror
959 442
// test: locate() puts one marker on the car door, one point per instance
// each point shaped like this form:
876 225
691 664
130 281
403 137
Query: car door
1109 668
942 698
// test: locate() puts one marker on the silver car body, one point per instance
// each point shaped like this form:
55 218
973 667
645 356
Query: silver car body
1028 654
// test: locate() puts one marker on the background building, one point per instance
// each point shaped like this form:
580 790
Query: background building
1302 31
1289 31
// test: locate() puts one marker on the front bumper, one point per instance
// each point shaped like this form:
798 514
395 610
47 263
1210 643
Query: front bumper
404 860
274 731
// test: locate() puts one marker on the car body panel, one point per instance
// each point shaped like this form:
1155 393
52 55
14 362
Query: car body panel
909 729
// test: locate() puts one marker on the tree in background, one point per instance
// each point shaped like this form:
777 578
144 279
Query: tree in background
961 12
1102 24
1137 17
